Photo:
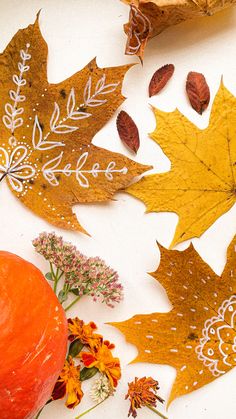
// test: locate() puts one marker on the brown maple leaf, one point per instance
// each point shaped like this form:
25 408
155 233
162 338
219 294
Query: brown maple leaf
198 336
46 130
148 18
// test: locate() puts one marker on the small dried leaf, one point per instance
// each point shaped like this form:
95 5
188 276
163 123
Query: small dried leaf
198 91
128 131
160 78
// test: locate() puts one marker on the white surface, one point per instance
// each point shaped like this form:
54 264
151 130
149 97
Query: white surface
76 31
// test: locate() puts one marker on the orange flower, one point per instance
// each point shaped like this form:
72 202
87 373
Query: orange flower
102 358
69 384
83 332
142 392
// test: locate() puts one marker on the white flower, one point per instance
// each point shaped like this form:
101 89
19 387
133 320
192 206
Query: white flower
101 389
12 165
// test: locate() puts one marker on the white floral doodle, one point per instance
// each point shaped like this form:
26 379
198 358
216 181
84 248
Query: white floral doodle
14 167
220 329
50 169
12 120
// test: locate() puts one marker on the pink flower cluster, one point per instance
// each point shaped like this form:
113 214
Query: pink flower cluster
89 276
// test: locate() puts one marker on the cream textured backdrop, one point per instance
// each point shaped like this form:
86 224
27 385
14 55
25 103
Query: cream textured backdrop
76 31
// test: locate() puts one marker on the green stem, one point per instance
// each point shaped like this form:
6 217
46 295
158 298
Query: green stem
55 276
91 408
156 411
52 271
60 275
73 302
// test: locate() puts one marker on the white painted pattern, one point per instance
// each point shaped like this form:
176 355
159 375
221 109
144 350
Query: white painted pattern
214 329
14 168
75 113
39 143
51 168
139 26
101 88
11 119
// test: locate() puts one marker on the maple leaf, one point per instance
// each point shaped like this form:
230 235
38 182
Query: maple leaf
46 131
201 184
149 18
198 336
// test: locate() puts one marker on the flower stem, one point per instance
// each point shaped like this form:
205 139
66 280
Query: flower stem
56 276
73 302
91 408
156 411
56 281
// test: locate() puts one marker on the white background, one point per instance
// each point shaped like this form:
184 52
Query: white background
76 31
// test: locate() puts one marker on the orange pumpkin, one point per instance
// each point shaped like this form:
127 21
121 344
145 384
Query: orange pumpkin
33 338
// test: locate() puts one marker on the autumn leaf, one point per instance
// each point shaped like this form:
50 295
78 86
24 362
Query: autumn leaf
149 18
198 336
46 130
201 184
198 91
160 78
128 131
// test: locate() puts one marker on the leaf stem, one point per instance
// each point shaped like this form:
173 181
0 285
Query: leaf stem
91 408
73 302
156 411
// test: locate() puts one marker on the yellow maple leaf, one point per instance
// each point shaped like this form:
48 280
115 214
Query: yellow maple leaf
201 184
149 18
46 130
198 336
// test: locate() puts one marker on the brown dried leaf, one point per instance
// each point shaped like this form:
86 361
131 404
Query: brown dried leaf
198 91
197 337
148 18
128 131
46 130
160 78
